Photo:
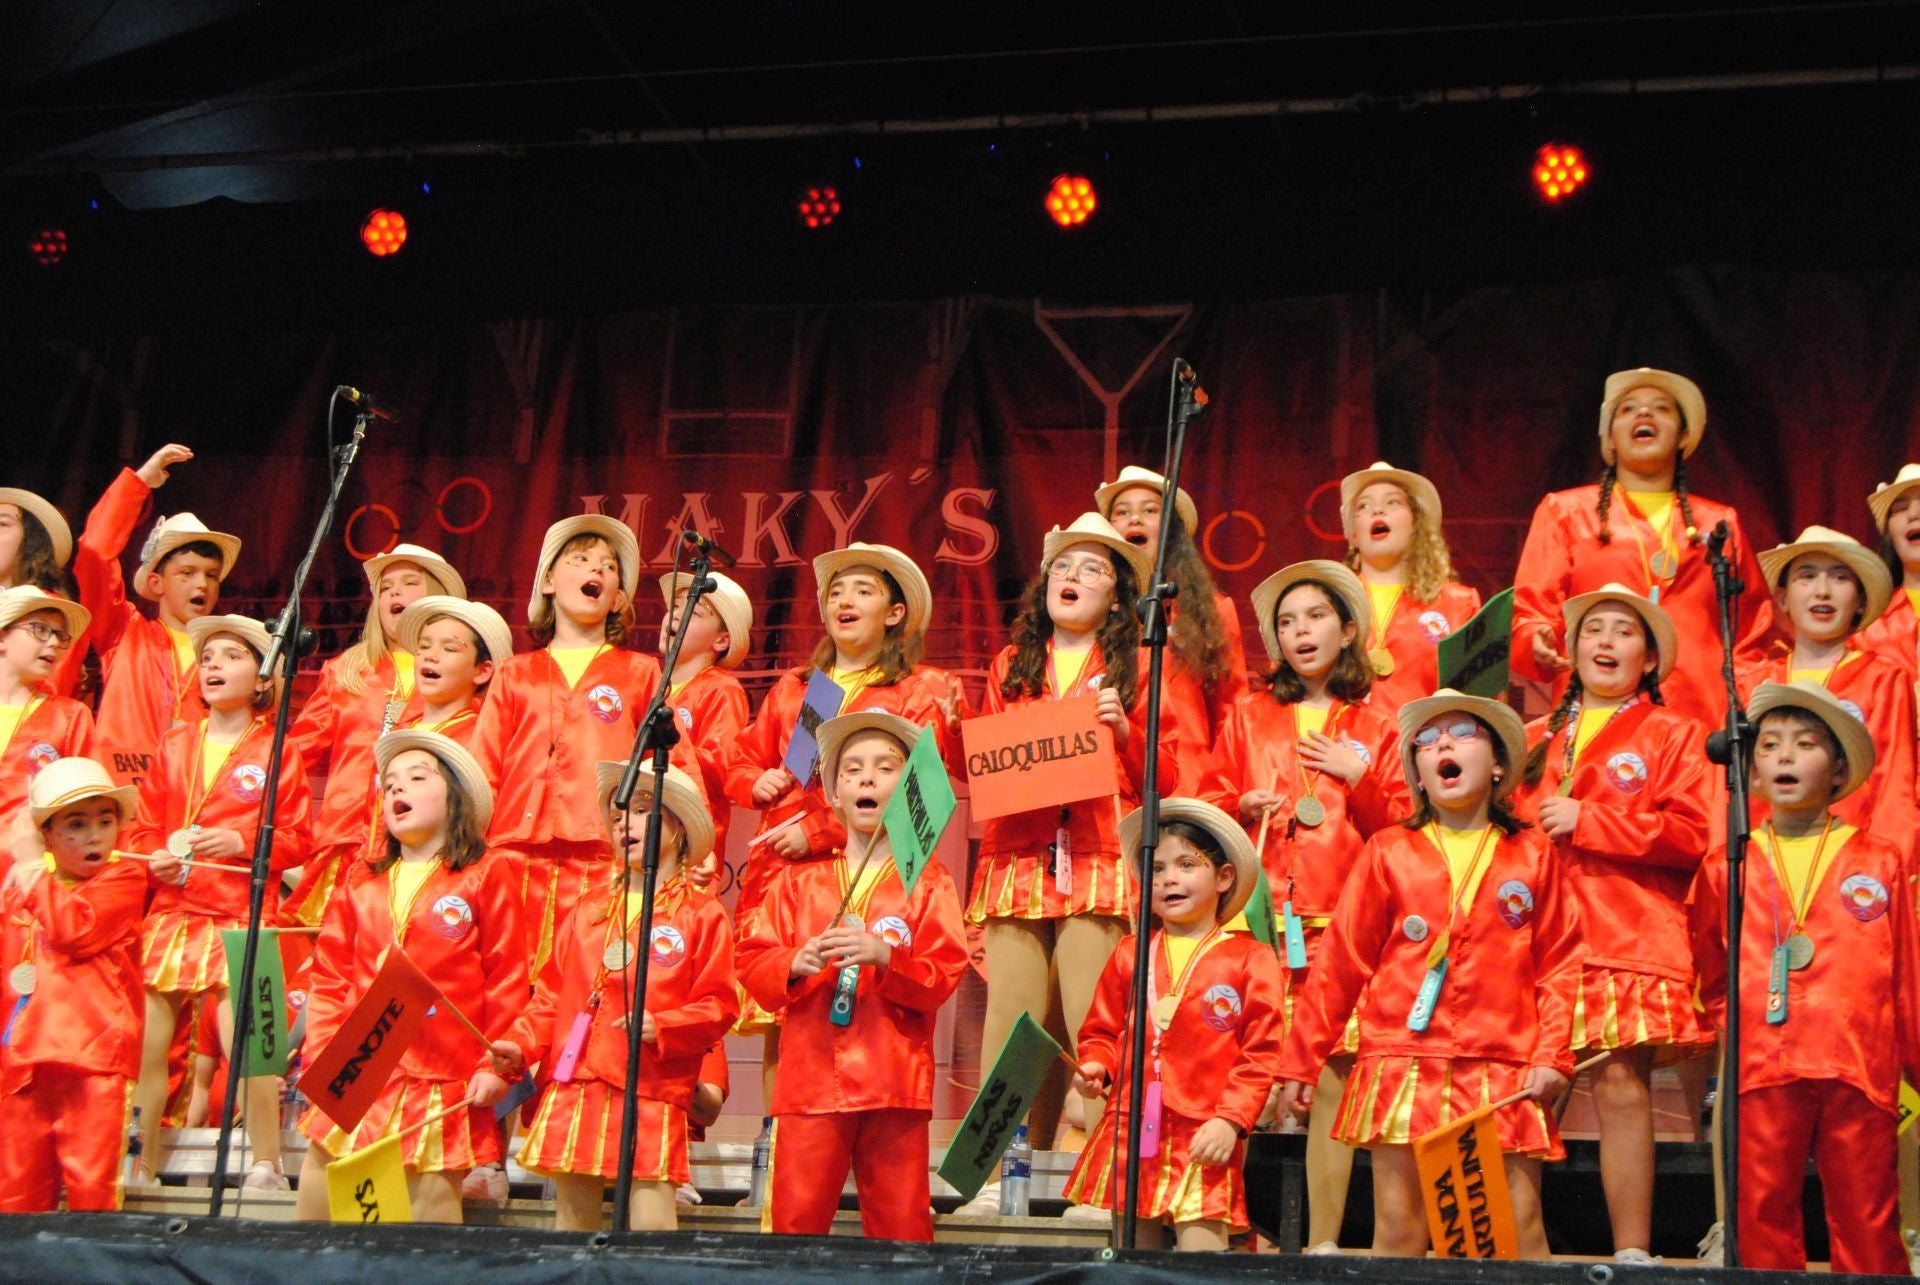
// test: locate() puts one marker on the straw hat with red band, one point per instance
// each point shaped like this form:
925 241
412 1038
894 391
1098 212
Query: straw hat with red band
1666 638
1497 715
255 634
65 782
1685 393
1133 475
426 559
1091 528
452 755
25 599
681 795
730 602
1268 593
59 534
1226 832
1881 502
619 537
489 625
1423 493
1876 584
834 734
906 573
1854 740
176 532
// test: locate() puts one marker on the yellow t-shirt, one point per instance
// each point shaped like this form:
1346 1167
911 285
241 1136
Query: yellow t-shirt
1385 598
1913 600
10 719
573 661
1796 856
855 681
183 657
402 674
877 866
1823 676
1307 720
1591 721
1068 666
1460 847
409 877
1179 951
1655 506
213 757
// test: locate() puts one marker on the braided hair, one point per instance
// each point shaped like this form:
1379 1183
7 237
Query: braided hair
1536 765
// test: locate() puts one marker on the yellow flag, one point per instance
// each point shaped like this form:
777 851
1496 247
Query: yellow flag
1463 1180
1909 1106
369 1185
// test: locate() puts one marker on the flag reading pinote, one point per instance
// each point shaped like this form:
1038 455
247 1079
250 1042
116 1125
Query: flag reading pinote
1463 1181
346 1076
1037 755
916 816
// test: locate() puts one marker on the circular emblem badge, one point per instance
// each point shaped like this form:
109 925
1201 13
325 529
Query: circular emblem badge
669 946
893 930
1864 897
249 782
1627 772
1366 755
1414 927
604 703
1853 709
1220 1005
452 917
41 754
1434 626
685 716
1515 900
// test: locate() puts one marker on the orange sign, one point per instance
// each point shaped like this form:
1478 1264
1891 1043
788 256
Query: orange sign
348 1075
1040 755
1463 1179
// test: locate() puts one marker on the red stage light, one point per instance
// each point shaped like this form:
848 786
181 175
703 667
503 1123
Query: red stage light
384 232
1559 170
48 246
1071 200
818 206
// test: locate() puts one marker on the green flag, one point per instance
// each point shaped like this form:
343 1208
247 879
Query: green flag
917 814
1003 1101
1473 658
265 1043
1260 913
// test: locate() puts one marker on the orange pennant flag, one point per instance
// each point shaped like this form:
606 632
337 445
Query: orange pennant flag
1463 1180
347 1076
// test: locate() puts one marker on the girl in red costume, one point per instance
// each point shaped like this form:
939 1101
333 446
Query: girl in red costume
37 725
1456 928
438 894
1896 515
709 704
1620 784
36 544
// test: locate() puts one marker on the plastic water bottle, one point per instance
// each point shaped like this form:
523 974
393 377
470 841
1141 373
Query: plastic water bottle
762 1149
1016 1175
133 1151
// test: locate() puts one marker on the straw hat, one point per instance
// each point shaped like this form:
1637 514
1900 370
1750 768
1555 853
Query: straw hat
452 755
426 559
1498 715
1666 639
58 532
1268 593
488 624
1091 528
833 735
1424 493
256 634
1847 729
1225 831
1685 393
682 796
732 604
1881 501
1133 475
619 537
171 533
884 557
1876 585
65 782
25 599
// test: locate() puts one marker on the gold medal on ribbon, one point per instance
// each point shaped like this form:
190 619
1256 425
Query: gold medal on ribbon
180 843
1164 1009
1310 811
616 955
1382 661
1799 951
23 978
1663 564
1565 788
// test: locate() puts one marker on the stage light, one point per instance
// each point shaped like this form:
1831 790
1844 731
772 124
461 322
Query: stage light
1559 170
818 206
384 232
48 246
1071 200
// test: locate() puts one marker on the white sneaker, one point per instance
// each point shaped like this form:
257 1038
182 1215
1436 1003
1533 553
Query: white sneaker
1713 1247
1324 1249
1640 1256
1912 1240
984 1205
265 1175
686 1195
1092 1215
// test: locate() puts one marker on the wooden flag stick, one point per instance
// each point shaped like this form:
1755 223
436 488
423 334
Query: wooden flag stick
415 1127
1523 1094
191 864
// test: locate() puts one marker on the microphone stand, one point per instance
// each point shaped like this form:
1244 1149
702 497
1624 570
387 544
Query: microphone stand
1185 401
284 651
1731 746
657 735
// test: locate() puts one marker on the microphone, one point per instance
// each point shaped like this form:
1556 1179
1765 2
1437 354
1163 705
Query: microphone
1191 390
1717 542
368 403
694 540
303 643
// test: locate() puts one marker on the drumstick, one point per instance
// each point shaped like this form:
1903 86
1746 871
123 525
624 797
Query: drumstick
191 864
416 1126
1523 1094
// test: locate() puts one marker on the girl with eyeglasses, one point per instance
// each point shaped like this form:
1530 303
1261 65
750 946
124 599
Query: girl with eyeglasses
1456 929
1052 886
1308 766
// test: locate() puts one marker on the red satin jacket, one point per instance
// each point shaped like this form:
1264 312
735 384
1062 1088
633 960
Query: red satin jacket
691 994
1513 966
87 1007
884 1059
335 734
1202 714
1218 1055
1412 637
55 727
463 930
1896 635
711 710
1643 784
539 742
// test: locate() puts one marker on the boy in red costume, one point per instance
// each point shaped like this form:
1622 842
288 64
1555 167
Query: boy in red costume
859 968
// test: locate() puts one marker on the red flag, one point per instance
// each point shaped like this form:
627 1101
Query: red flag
347 1076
